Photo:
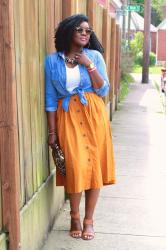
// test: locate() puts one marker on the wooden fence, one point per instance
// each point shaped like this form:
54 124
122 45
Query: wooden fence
26 35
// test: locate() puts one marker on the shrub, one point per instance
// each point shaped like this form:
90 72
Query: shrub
136 45
127 64
152 59
139 59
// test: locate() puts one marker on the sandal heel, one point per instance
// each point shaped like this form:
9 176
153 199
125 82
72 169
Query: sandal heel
75 233
87 235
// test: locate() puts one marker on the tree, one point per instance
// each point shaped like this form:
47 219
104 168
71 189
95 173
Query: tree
141 2
156 15
156 4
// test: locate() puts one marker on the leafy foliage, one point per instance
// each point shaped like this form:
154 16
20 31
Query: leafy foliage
139 59
157 14
136 50
124 85
127 64
138 1
156 4
136 44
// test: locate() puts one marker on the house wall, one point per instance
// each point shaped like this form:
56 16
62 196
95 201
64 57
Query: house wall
161 51
153 41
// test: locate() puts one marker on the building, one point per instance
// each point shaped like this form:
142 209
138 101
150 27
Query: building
161 38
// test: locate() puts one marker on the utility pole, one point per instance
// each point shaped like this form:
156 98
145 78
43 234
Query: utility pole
129 21
124 4
147 38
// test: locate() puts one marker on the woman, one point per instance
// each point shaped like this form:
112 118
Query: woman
75 82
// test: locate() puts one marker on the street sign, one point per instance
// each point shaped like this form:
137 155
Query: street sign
136 8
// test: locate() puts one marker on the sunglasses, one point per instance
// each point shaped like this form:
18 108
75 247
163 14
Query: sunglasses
80 30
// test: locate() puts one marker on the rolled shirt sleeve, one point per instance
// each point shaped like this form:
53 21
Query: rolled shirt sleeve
101 67
51 102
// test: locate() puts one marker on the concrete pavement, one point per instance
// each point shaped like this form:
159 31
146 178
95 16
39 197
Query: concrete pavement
130 215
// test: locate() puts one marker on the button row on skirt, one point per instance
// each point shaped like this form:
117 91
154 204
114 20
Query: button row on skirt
81 123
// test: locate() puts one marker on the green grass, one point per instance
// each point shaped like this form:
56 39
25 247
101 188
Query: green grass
126 80
152 69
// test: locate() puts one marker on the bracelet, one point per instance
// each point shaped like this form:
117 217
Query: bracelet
52 130
52 133
91 70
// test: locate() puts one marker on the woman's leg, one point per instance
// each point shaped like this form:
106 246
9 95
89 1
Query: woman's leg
76 229
91 197
75 199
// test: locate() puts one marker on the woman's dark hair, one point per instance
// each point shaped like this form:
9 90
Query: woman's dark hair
65 30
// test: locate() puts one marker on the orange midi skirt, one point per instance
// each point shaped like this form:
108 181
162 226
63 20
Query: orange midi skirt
85 137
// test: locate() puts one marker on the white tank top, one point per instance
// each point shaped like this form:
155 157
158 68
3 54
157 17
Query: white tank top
72 78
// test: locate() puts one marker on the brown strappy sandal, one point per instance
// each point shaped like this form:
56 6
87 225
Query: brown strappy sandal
75 219
86 233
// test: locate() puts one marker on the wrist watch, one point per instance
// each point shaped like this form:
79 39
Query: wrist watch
91 65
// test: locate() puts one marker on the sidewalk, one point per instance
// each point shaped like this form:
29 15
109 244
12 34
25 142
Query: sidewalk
130 215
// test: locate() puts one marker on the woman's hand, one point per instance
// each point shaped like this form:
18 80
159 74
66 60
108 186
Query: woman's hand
52 138
82 59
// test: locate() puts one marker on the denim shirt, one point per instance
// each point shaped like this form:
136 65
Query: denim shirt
55 80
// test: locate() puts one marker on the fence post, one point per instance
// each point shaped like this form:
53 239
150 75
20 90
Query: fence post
9 158
112 63
119 60
68 8
91 6
106 37
50 24
117 64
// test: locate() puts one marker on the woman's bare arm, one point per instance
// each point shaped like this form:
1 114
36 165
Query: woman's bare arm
52 128
51 119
